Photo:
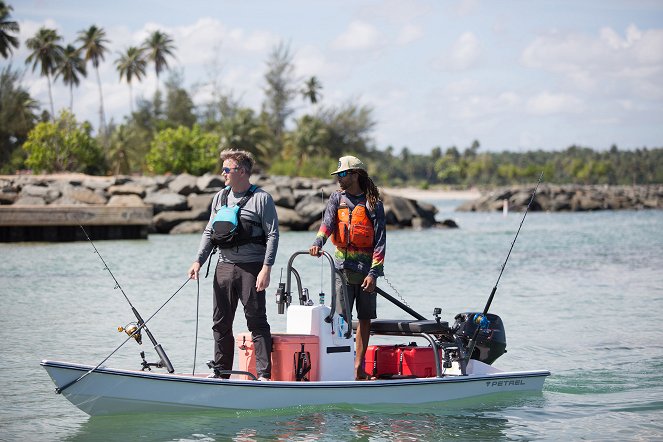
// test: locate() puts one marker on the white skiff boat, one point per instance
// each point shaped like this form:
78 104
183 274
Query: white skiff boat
115 391
459 366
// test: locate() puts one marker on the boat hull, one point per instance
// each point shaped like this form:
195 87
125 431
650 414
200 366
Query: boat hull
114 391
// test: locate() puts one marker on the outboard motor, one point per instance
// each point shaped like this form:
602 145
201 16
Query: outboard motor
491 341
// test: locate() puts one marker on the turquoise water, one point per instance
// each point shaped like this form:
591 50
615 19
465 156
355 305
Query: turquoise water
580 296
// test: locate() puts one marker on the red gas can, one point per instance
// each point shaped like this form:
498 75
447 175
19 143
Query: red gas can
400 360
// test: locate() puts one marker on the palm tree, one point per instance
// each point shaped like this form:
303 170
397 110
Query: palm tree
131 65
45 52
70 67
158 46
311 90
7 28
93 40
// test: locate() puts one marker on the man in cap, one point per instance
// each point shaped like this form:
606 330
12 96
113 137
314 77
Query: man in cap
354 220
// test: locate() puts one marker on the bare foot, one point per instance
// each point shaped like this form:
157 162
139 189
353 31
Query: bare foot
361 375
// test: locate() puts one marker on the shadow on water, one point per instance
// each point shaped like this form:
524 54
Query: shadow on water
477 419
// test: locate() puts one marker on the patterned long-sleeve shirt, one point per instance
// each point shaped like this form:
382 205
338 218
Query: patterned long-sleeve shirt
367 261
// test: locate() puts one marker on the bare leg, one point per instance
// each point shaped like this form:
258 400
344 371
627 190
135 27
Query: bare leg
362 336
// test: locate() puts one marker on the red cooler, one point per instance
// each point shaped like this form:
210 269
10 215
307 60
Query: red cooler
293 356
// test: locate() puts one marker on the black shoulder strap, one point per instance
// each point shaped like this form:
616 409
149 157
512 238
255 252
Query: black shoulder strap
249 193
247 196
224 196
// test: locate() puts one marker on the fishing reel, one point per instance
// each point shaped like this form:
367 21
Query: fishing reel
132 330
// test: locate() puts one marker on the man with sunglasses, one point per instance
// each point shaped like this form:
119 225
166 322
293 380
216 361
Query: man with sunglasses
244 267
354 220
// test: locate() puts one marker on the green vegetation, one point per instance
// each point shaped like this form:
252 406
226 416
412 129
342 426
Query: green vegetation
293 133
63 145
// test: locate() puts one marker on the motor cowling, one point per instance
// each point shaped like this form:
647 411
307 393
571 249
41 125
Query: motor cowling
491 340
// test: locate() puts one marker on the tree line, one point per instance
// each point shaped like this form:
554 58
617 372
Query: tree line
168 133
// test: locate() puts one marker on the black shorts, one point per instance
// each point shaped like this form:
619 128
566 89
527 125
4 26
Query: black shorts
366 302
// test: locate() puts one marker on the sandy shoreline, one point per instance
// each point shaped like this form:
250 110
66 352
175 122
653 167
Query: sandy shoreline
432 194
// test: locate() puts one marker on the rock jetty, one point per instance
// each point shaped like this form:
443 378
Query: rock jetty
568 198
181 203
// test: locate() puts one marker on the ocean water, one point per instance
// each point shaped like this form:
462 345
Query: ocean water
580 296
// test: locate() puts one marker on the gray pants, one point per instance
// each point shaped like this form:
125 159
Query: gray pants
233 283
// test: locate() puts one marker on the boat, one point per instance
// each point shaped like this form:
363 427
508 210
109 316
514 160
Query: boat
313 364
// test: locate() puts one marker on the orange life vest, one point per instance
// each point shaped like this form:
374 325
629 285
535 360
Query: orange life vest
355 229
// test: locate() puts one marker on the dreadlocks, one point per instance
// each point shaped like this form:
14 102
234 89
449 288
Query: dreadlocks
369 188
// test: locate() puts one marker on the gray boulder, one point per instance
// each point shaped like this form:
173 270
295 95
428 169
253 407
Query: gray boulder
163 201
184 184
188 227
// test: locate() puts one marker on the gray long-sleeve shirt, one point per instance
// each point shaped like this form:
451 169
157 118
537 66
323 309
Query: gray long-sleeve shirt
260 208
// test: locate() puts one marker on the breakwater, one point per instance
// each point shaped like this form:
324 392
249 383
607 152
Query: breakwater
119 206
568 198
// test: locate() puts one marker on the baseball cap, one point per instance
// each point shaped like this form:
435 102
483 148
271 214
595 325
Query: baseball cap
349 162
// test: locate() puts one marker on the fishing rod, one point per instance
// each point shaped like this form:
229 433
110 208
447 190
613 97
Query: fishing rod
481 320
132 335
164 362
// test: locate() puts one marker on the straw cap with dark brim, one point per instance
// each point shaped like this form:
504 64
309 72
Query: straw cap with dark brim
348 163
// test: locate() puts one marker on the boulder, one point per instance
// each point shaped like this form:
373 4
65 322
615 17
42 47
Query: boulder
200 202
98 183
165 221
83 195
28 200
290 219
184 184
47 193
125 201
210 183
310 208
282 195
188 227
127 189
8 195
402 209
166 201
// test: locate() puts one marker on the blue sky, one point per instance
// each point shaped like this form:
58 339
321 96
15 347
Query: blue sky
515 75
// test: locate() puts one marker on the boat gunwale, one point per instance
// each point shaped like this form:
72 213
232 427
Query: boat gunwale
290 384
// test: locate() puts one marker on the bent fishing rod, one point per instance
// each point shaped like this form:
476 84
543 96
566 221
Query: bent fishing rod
481 320
141 324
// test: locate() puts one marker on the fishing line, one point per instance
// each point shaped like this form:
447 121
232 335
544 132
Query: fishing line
61 389
322 220
195 347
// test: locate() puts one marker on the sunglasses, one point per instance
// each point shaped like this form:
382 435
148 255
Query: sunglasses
344 173
228 169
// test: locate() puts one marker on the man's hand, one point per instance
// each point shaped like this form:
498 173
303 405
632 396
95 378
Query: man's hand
314 251
193 271
262 281
369 284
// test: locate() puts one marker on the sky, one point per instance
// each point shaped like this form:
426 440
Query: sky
515 75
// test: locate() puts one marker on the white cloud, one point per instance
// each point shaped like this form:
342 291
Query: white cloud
603 63
547 103
396 11
466 7
408 34
463 54
358 36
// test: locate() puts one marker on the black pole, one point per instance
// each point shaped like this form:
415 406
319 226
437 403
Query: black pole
398 303
472 342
